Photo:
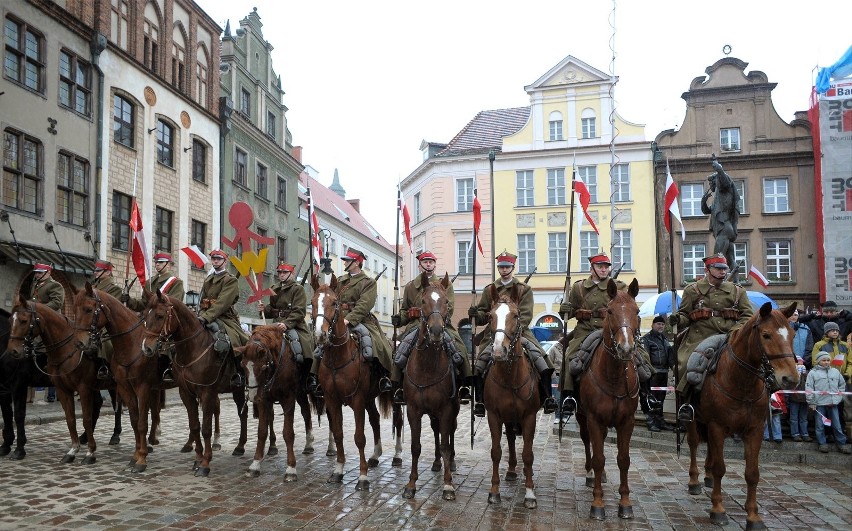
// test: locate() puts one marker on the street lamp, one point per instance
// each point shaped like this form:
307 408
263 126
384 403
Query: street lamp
192 299
325 234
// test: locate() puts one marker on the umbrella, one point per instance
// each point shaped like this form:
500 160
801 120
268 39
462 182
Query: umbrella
659 303
758 299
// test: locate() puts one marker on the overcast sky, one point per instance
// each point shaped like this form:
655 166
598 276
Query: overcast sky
366 82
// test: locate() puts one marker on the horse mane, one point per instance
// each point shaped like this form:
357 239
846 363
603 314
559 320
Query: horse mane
267 334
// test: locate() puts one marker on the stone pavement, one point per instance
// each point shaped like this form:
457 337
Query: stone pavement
40 492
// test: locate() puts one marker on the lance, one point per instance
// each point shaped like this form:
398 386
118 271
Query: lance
473 321
379 275
678 436
455 277
395 304
567 286
617 271
527 280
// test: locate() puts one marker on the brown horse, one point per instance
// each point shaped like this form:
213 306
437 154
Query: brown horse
609 394
511 393
273 376
756 361
199 372
69 368
430 386
347 379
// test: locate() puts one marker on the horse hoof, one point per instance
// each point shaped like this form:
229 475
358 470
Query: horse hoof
708 482
202 472
216 447
186 449
273 450
335 478
511 476
625 511
194 466
396 462
5 450
330 453
238 451
252 473
597 513
372 462
363 484
718 518
530 503
65 459
17 455
115 439
289 478
695 489
436 466
139 468
153 441
449 495
308 450
408 493
132 463
494 498
590 482
757 524
89 460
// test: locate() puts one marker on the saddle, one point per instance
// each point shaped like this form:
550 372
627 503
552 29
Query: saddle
580 362
704 360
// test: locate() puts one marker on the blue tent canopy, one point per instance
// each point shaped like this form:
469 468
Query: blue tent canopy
840 69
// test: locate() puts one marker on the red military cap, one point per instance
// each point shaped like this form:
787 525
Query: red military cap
41 267
717 260
285 267
103 265
601 258
219 253
162 257
426 255
354 254
506 259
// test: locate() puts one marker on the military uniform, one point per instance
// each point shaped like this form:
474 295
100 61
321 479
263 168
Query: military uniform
357 297
289 306
50 293
106 284
166 283
218 295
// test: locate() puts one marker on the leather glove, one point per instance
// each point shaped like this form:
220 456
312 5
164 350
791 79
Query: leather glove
124 298
583 315
697 315
396 320
674 319
471 312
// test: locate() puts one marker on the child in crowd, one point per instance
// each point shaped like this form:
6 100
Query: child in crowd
798 406
825 383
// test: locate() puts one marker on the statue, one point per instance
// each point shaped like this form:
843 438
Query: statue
724 215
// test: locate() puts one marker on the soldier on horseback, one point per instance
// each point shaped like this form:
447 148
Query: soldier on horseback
45 290
409 316
102 280
479 314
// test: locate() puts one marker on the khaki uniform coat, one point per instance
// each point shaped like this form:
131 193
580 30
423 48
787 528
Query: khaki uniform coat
218 295
50 293
289 306
107 285
359 293
155 283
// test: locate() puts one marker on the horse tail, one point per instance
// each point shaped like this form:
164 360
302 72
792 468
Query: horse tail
317 404
385 404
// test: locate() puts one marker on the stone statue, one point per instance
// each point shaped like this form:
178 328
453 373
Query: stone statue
724 215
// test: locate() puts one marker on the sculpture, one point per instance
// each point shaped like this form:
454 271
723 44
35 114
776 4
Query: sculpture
723 211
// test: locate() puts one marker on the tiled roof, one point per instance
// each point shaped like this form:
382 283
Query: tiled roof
486 131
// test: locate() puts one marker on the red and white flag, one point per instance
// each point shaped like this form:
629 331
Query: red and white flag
584 197
671 204
758 277
315 228
825 420
139 251
198 258
406 217
477 219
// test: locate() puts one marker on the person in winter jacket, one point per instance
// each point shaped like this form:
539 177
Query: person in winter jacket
824 384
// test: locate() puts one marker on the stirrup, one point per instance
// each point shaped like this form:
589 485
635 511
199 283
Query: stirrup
399 397
464 395
479 409
318 392
237 380
103 373
686 413
385 385
569 406
168 377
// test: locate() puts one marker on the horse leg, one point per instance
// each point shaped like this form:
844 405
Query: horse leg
273 449
373 416
751 441
8 422
191 405
512 472
596 438
414 422
397 432
436 433
624 433
264 410
217 410
331 449
67 401
358 407
289 434
138 408
335 425
715 455
130 399
530 501
90 402
208 401
157 401
692 439
19 401
116 403
305 409
242 410
496 427
445 427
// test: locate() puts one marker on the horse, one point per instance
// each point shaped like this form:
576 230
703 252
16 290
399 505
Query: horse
273 376
511 392
69 368
429 384
200 374
347 379
609 394
757 360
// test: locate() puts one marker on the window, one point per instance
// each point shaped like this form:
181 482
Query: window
589 175
526 252
262 232
240 165
260 181
621 183
524 190
198 234
779 260
120 17
384 304
556 126
741 257
281 245
740 185
270 124
199 161
557 250
201 74
556 186
622 249
690 199
776 197
178 59
418 213
151 46
729 139
464 252
588 248
163 228
75 83
588 124
332 246
121 205
464 195
165 153
24 61
72 190
245 102
281 194
123 118
22 172
693 263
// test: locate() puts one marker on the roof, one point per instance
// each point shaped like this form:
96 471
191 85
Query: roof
486 131
30 254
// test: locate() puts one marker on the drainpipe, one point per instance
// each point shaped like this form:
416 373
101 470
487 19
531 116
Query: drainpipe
98 45
226 107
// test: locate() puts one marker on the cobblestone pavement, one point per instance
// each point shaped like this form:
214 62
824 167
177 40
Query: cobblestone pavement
40 492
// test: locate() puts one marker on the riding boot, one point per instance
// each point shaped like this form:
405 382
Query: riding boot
237 378
103 370
314 387
546 390
479 396
651 421
385 384
686 413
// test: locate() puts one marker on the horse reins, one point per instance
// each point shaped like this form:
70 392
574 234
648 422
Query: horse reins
29 345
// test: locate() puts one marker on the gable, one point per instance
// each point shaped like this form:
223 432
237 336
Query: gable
569 71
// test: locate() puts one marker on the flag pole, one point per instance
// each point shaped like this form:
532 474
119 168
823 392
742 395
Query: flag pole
567 286
674 311
473 354
130 235
396 301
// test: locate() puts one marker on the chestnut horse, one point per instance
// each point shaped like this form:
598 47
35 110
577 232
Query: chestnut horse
429 386
273 376
511 392
70 370
756 361
199 372
609 394
347 379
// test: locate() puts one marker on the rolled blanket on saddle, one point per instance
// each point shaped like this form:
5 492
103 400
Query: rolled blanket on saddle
581 360
704 360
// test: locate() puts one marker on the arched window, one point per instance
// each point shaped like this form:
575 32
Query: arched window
556 126
178 58
151 50
201 73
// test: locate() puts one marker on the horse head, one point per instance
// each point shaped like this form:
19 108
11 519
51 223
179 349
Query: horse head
770 345
90 316
505 324
434 308
24 326
621 322
325 310
262 357
161 321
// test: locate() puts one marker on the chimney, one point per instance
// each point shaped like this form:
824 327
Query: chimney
297 153
356 204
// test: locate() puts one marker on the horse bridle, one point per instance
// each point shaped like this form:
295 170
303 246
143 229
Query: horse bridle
513 339
329 336
95 336
270 362
165 342
29 343
765 371
424 325
610 348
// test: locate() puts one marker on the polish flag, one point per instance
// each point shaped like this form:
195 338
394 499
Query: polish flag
584 198
198 258
671 204
839 360
406 217
825 420
477 219
315 228
758 277
139 251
